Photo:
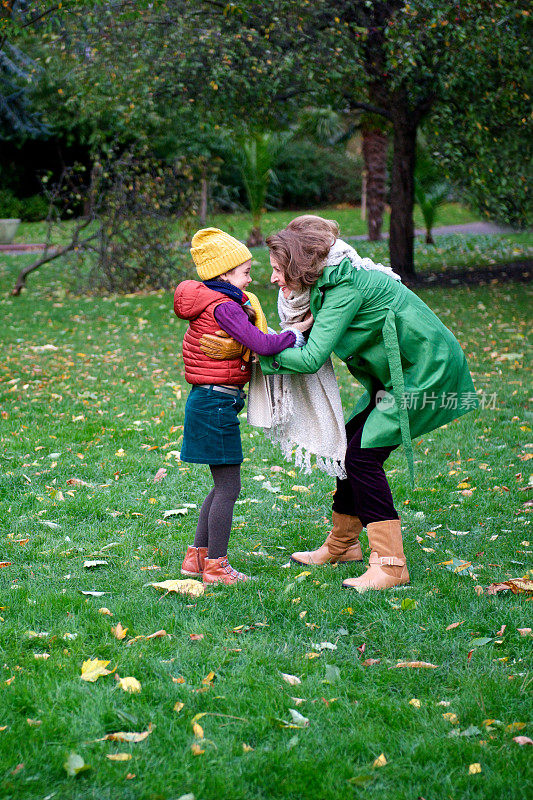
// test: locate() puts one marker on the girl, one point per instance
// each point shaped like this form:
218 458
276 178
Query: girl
218 304
412 367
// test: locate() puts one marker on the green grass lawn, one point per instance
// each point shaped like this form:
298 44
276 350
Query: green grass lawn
239 224
92 389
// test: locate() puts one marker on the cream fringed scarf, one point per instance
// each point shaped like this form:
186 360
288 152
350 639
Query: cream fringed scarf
301 413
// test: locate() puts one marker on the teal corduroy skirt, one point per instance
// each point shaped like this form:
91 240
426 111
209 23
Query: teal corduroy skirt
211 433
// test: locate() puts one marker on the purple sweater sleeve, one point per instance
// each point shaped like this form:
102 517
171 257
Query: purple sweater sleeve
234 321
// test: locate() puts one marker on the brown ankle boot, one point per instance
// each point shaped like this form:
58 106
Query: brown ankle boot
219 570
387 566
193 563
341 545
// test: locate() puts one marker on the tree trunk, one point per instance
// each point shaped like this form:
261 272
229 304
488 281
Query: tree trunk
402 197
375 145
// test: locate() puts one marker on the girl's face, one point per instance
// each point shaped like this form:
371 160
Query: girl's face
239 276
278 278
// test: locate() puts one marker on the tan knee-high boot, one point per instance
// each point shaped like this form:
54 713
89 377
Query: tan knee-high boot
387 566
342 543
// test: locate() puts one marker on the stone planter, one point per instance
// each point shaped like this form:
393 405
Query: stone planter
8 229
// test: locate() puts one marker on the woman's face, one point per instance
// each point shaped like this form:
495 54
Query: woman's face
277 277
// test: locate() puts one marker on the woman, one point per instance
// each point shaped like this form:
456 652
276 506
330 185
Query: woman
412 368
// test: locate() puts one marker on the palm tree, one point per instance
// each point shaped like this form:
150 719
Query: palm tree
375 148
257 153
430 191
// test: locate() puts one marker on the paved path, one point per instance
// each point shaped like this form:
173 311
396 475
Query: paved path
468 228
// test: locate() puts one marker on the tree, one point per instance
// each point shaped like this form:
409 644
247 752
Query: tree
128 64
430 190
375 149
256 153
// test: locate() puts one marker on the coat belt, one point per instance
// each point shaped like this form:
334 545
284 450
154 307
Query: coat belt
392 349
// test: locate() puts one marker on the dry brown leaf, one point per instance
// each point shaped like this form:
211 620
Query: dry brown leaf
414 665
525 631
454 625
196 637
119 756
196 749
369 662
178 680
516 585
522 740
118 631
157 635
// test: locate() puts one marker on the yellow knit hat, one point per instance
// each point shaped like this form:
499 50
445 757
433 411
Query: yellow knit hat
215 252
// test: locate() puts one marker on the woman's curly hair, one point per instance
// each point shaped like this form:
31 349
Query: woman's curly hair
301 248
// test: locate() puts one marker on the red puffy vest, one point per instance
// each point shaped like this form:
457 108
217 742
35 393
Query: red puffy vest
195 302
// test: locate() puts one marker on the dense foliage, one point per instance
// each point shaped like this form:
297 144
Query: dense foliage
172 73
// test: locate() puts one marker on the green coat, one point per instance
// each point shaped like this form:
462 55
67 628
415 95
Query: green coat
385 335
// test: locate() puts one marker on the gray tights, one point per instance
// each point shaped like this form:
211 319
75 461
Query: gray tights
214 524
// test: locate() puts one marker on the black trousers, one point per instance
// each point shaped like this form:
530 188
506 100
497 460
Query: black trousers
365 493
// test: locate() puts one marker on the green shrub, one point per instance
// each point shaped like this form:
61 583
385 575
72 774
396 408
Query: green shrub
33 209
28 209
9 205
310 174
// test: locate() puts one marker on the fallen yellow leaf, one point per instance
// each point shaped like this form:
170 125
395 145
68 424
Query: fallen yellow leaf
178 706
119 756
451 717
188 586
474 769
292 680
414 702
118 631
515 726
246 748
208 680
414 665
198 730
93 668
196 749
380 761
106 611
130 685
126 736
